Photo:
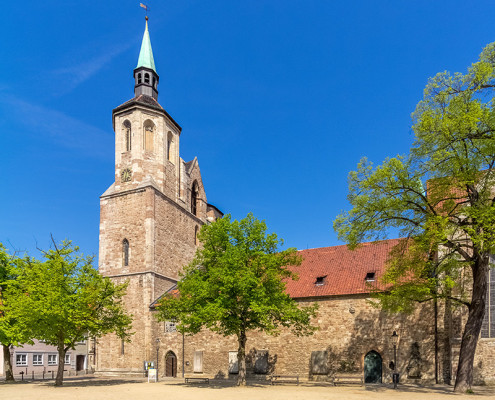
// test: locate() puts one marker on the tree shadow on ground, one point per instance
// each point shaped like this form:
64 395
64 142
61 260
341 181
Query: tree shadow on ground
88 382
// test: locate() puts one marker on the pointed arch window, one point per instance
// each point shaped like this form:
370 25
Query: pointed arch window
127 135
125 252
169 146
149 129
194 198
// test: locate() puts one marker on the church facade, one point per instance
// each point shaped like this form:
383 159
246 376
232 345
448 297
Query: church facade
149 220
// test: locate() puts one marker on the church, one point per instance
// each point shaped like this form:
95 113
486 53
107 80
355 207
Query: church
149 220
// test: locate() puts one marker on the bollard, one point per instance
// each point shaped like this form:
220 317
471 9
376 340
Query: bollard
22 375
32 375
52 374
43 375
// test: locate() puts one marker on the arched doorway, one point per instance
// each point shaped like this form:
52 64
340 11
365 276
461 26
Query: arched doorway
372 367
170 364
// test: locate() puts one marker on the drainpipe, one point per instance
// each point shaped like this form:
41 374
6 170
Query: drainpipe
183 362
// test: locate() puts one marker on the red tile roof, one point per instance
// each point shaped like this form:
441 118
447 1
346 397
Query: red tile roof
344 270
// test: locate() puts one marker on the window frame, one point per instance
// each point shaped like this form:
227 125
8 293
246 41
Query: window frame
38 362
51 362
21 363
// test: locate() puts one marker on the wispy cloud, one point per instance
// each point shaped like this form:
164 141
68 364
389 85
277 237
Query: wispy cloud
78 73
61 128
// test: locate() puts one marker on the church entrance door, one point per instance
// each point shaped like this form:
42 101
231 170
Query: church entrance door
171 364
372 367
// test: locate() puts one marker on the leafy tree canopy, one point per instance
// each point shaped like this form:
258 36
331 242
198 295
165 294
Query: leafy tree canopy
236 283
450 226
63 300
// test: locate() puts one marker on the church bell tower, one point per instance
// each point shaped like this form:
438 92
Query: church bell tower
149 217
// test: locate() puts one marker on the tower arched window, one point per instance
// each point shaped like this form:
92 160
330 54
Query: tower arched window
194 198
139 78
196 231
125 252
127 135
146 78
169 146
154 82
149 129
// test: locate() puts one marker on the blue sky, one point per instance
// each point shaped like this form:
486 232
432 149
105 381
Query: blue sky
278 99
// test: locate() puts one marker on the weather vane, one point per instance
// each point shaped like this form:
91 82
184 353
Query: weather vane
146 8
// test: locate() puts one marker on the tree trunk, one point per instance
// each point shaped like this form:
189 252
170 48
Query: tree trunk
472 329
7 364
59 381
241 358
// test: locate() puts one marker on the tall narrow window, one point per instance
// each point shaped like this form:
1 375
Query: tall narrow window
125 252
196 231
146 78
127 135
139 78
148 135
194 198
169 146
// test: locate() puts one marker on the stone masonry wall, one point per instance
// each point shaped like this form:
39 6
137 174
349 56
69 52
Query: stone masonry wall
349 329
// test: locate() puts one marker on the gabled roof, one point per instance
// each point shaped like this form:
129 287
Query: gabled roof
173 291
343 270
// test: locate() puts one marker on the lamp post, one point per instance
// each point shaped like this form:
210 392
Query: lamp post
395 375
157 350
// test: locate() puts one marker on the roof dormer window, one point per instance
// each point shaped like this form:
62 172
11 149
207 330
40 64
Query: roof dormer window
370 277
320 280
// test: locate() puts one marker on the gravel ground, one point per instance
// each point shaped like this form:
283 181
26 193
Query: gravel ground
126 389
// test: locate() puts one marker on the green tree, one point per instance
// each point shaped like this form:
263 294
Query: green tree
64 300
450 227
10 332
236 284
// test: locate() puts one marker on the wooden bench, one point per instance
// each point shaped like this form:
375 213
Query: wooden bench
347 379
198 380
284 379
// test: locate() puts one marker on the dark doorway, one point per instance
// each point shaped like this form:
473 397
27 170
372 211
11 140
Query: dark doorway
79 363
372 367
171 364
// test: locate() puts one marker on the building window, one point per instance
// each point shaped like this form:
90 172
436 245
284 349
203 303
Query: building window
170 326
52 359
196 231
139 78
67 359
169 146
488 325
146 78
37 359
21 360
320 280
125 252
148 135
370 277
127 135
194 198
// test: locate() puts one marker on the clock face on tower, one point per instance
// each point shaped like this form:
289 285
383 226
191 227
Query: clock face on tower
125 176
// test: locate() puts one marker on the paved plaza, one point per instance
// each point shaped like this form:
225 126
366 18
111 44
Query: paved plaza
119 389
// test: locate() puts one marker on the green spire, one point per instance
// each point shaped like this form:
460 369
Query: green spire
146 54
